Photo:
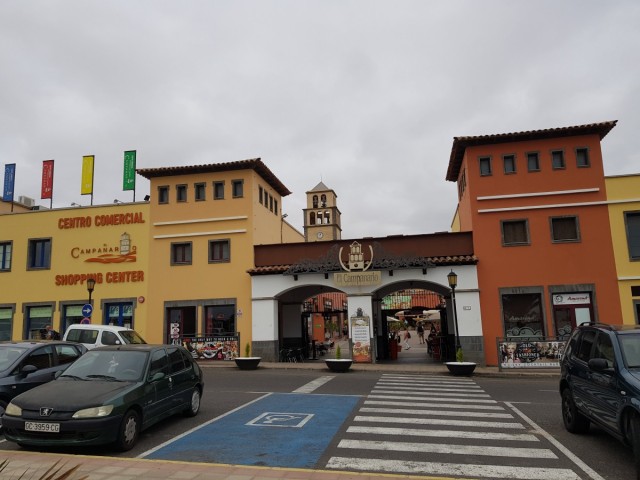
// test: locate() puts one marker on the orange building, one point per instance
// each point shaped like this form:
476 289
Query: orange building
536 203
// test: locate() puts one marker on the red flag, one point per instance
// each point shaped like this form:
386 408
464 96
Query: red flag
47 179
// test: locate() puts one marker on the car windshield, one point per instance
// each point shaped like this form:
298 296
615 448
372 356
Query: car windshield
131 336
8 355
630 344
111 365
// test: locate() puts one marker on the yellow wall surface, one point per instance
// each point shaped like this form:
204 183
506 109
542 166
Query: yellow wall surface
623 194
85 242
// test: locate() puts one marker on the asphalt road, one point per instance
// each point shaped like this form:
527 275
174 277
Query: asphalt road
319 421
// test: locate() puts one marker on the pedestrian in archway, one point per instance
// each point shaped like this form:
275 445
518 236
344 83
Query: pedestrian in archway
407 336
420 330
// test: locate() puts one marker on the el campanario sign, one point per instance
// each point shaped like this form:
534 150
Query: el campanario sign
356 273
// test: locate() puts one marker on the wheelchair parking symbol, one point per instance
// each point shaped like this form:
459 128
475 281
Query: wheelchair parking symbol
277 419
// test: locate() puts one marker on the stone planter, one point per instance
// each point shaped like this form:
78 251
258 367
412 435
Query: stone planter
339 365
247 363
461 368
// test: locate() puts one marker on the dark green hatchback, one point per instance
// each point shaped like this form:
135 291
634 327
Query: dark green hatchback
108 396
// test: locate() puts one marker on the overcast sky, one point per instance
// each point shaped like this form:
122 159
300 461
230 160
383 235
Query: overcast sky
363 95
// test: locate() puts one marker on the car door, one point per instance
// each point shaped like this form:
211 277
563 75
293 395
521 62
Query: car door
42 359
160 383
579 369
180 378
604 389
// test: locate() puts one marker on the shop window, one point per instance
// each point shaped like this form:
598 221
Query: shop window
557 159
582 157
71 314
119 314
632 222
515 232
6 323
5 256
220 320
522 315
181 253
219 251
39 254
163 194
533 161
181 193
564 229
218 190
38 317
200 191
237 188
509 162
485 166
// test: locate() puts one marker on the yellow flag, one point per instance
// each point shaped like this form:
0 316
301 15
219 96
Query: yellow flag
86 188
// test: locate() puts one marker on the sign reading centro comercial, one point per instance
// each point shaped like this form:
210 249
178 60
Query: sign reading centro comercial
356 273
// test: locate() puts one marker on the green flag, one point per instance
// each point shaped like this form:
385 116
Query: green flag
129 180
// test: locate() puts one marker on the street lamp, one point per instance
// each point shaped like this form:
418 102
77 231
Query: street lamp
453 283
91 284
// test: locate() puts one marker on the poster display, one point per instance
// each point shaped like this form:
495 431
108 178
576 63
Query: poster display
360 338
514 353
213 347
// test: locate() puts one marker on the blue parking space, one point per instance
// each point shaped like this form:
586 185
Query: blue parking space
279 430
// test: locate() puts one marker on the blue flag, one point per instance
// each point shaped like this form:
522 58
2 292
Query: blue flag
9 182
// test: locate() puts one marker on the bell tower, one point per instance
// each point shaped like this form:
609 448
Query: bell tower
321 217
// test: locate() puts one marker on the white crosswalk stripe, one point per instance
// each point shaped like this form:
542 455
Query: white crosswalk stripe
436 425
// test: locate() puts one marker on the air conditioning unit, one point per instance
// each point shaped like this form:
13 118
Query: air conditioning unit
26 201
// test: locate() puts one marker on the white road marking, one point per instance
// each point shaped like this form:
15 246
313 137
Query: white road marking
428 384
437 397
314 385
568 453
450 469
441 413
436 421
443 394
438 388
448 449
433 405
413 432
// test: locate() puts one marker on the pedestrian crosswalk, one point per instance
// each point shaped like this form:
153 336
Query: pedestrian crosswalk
438 425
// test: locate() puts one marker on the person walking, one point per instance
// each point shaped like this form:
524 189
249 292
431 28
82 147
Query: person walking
407 336
420 330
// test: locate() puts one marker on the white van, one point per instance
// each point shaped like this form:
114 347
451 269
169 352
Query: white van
92 336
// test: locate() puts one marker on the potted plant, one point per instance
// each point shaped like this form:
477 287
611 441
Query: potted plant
338 364
247 362
460 367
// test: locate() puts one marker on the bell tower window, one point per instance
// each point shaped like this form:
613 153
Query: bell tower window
315 201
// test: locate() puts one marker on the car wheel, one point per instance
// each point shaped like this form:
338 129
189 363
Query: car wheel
129 430
574 421
634 437
194 406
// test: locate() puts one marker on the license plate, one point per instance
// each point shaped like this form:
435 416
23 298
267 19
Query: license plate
42 427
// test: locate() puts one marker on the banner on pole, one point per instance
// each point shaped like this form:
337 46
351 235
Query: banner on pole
129 179
47 179
86 187
9 182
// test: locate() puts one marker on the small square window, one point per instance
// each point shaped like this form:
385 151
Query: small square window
218 190
533 161
509 163
270 203
485 166
515 232
219 251
181 253
163 194
260 194
181 193
39 254
582 157
5 256
564 229
200 192
632 223
557 159
237 187
275 207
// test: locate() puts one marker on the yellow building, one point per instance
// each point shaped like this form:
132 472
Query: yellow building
624 217
175 265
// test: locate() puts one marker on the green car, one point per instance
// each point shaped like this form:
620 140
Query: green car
108 396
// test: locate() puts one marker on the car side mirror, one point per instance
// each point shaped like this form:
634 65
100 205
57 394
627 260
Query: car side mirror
27 369
156 376
598 364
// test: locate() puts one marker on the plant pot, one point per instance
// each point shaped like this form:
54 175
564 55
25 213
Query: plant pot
247 363
339 365
461 368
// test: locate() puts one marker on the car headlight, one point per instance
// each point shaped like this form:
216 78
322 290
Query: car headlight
13 410
94 412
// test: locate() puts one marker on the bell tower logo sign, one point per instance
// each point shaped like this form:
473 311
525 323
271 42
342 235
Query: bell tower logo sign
356 269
